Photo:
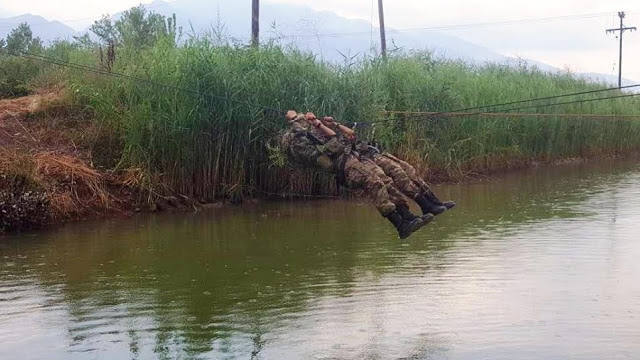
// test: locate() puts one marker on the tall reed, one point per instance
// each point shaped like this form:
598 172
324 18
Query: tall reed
210 147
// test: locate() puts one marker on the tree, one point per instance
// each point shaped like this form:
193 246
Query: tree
3 44
84 41
21 40
104 29
136 28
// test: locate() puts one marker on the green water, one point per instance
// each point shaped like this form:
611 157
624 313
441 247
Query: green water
542 264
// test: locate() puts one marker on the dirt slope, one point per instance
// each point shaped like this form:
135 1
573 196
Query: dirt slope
46 174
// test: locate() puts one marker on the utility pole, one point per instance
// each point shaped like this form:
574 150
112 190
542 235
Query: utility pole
622 29
255 22
383 38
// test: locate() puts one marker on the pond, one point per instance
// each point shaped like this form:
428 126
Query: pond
543 263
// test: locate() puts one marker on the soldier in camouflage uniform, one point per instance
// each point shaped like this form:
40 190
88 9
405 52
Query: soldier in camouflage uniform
347 138
402 174
309 143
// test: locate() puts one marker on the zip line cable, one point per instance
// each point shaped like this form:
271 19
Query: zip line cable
133 78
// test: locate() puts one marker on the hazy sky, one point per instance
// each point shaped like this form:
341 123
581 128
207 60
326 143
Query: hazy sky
578 42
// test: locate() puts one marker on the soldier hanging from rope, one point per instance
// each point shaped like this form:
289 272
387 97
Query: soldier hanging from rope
309 143
403 175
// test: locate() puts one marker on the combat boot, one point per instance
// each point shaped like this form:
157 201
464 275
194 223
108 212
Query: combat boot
403 209
407 227
429 207
431 197
449 204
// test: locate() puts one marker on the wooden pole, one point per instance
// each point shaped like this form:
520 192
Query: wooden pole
255 22
383 38
621 29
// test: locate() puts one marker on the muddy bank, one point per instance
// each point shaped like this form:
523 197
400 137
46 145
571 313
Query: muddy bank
58 165
22 205
47 170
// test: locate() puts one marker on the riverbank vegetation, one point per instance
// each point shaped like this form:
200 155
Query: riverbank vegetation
201 123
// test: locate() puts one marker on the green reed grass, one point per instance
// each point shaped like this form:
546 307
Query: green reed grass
208 147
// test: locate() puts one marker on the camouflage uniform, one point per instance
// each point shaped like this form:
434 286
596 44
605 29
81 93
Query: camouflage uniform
302 150
412 174
356 174
406 181
359 176
402 174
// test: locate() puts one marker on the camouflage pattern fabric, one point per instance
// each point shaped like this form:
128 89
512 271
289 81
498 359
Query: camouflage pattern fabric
302 150
359 176
402 180
407 174
395 194
348 144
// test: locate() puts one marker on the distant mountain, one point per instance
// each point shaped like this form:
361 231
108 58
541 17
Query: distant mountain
322 32
332 37
41 27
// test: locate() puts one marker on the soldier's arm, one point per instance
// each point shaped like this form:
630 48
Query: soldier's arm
329 121
346 130
313 120
325 130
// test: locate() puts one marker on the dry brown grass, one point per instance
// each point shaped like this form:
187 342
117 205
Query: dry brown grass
74 188
43 151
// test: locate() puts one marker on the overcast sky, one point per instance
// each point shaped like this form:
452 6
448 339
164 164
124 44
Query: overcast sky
579 44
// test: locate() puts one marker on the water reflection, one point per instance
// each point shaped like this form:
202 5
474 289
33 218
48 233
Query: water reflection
508 274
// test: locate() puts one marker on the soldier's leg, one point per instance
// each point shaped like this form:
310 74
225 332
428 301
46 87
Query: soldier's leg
357 175
395 194
373 167
409 170
400 178
424 188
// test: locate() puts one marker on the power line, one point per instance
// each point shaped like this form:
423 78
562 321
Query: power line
507 114
427 116
152 6
529 100
574 102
